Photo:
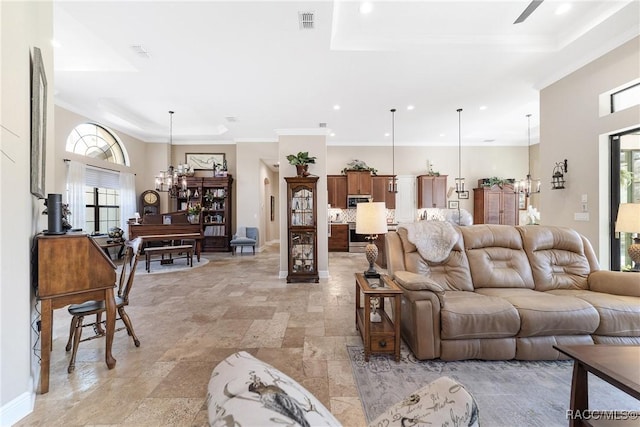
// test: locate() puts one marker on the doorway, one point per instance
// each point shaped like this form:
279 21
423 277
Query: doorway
625 188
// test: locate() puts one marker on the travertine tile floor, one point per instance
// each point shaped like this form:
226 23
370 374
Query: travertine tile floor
188 321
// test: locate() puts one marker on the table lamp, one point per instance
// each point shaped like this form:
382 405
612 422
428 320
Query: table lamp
371 219
628 221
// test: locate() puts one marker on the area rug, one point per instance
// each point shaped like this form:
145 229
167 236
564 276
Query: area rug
508 393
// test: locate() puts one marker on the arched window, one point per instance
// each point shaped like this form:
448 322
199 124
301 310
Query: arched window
95 141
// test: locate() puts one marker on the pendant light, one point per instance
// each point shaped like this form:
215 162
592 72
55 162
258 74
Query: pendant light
528 185
172 181
392 186
459 179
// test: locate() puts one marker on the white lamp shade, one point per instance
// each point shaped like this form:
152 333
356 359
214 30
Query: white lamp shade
371 218
628 220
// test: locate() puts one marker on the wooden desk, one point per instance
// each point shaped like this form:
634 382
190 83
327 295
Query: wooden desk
71 269
105 247
619 365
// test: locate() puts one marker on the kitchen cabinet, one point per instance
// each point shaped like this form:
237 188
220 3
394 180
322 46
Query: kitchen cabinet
339 239
337 189
432 191
380 191
359 182
302 233
495 205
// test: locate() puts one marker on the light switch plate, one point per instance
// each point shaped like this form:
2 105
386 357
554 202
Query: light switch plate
581 216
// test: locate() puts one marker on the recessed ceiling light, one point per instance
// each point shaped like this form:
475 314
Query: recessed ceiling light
366 7
336 107
387 134
332 134
563 8
55 43
483 107
442 134
410 107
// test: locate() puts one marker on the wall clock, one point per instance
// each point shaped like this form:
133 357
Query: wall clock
150 201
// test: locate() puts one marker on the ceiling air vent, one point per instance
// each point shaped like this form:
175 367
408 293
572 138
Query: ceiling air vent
140 51
231 119
306 20
322 125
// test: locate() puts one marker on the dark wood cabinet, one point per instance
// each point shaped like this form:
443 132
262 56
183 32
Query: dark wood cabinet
337 191
432 191
495 205
339 239
213 194
302 233
359 182
380 191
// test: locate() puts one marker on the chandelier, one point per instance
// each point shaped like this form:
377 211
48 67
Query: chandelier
528 185
392 185
459 179
173 180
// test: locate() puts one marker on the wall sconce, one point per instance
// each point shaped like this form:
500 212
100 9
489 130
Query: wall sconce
557 180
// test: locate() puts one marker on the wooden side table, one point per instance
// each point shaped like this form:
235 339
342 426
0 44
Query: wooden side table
383 336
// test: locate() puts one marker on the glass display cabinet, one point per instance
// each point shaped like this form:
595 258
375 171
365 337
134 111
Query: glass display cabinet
302 233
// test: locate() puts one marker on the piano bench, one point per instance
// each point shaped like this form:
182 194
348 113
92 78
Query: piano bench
187 250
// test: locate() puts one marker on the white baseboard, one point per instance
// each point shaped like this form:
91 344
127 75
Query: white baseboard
17 409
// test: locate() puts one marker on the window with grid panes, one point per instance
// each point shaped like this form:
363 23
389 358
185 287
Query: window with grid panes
103 209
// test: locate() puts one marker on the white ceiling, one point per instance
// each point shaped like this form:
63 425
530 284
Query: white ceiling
211 60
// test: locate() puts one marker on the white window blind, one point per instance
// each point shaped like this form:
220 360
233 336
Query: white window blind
101 178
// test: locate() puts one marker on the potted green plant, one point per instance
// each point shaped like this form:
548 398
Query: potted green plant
193 213
301 161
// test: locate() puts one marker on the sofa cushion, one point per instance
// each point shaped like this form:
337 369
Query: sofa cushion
619 315
440 403
451 274
554 315
467 315
245 391
557 257
496 257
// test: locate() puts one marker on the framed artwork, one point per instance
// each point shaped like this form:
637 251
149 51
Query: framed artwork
38 124
453 204
166 219
463 195
522 201
273 208
204 161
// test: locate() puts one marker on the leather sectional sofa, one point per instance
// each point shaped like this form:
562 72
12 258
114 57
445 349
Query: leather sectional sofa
505 292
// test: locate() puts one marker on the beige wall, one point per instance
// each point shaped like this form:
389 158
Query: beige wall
573 129
252 204
23 25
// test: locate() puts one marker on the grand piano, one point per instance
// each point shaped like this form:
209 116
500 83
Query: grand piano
167 226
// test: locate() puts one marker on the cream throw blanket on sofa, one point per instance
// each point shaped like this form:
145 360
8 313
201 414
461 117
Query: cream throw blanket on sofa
433 239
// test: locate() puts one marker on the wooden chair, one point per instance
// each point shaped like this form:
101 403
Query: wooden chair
89 308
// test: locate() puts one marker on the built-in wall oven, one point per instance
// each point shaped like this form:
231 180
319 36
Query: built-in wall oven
357 242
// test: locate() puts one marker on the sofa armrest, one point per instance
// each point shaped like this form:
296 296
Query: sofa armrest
615 282
420 322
